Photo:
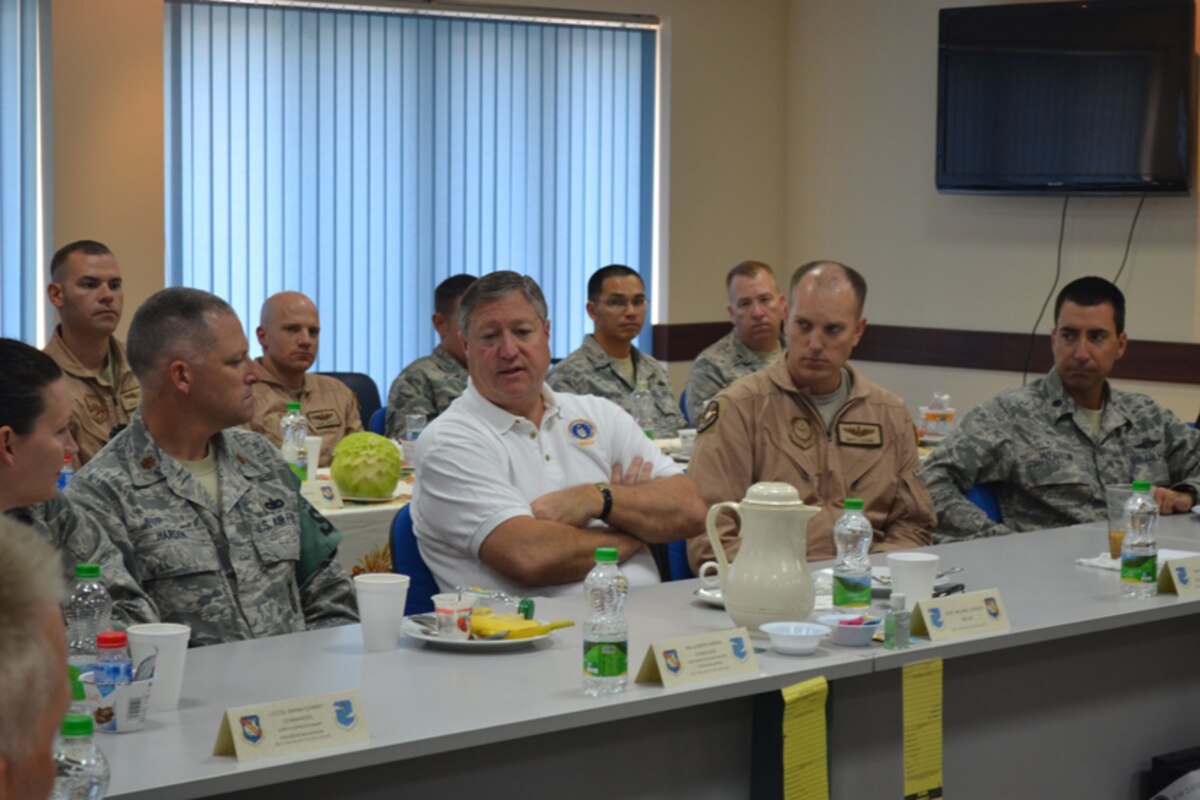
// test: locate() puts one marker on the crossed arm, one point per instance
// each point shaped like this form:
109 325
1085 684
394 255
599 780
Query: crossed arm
556 546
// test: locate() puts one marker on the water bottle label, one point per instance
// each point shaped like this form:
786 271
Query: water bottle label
1139 569
605 659
852 591
300 470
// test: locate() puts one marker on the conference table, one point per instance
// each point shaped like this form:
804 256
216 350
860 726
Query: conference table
1073 701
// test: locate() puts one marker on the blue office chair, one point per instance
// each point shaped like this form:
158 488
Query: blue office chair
678 560
378 423
364 389
984 496
683 408
406 560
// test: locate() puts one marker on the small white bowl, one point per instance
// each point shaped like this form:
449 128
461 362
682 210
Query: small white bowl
850 635
795 638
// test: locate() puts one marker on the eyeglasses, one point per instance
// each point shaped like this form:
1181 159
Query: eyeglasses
619 302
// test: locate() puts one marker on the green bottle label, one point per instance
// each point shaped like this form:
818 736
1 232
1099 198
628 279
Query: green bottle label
851 591
1139 569
605 659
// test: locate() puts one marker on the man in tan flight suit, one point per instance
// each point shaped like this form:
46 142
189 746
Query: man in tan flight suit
86 288
288 331
812 421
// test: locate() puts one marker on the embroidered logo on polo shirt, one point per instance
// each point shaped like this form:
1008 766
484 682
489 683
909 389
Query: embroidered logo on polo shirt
584 431
860 434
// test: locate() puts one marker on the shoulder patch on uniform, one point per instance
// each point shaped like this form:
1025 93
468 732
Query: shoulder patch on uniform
708 419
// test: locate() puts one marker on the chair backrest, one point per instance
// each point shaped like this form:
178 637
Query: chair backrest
364 389
677 556
406 560
378 423
984 496
683 407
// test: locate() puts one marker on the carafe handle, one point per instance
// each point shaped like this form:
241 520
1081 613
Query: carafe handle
715 538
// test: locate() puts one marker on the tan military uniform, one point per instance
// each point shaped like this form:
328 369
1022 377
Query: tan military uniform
97 406
763 428
328 404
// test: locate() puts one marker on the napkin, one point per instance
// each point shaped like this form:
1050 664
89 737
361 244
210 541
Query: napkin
1103 561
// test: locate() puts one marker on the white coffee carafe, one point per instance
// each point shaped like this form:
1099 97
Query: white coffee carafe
769 581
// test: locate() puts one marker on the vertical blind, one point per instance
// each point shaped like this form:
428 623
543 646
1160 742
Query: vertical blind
22 25
361 158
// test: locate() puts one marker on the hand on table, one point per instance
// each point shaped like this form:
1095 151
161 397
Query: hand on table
1172 502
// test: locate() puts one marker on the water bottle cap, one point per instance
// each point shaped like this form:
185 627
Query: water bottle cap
854 504
293 406
1141 486
111 640
606 554
87 570
76 725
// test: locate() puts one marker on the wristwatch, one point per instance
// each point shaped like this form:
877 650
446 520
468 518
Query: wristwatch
606 493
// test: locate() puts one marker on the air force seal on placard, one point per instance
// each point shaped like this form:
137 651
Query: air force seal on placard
251 728
583 431
343 712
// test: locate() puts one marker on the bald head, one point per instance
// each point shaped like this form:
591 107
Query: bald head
288 330
828 275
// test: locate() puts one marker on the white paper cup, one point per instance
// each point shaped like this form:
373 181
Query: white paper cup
381 600
168 641
312 446
913 574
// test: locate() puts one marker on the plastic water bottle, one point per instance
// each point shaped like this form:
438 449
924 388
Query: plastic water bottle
81 769
606 632
113 664
897 625
293 429
1139 551
66 473
852 571
88 611
643 408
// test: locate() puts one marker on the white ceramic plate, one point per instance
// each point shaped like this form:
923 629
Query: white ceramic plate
414 630
710 596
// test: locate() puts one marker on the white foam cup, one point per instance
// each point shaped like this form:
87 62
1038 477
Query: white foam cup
913 574
312 446
167 641
381 600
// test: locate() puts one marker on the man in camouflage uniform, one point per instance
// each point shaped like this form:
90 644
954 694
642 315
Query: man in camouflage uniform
430 384
207 515
86 288
607 364
289 330
756 309
1051 447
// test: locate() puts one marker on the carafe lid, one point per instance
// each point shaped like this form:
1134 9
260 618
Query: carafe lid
773 494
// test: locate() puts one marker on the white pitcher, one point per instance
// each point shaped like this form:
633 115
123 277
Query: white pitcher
769 581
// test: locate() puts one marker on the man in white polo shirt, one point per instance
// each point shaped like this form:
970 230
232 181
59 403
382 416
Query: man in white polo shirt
517 485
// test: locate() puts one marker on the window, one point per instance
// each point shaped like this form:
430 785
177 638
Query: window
23 23
363 157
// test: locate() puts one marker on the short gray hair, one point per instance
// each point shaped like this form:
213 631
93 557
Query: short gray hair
495 285
172 323
32 571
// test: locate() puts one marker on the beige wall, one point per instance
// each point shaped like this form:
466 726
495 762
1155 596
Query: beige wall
107 126
861 116
795 129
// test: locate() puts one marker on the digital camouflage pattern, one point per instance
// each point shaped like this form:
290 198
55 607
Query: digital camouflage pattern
81 542
589 370
262 564
1049 470
426 386
718 366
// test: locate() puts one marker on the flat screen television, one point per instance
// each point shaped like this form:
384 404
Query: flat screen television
1066 98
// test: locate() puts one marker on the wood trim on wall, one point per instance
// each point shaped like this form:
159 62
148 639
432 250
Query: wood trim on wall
1165 362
